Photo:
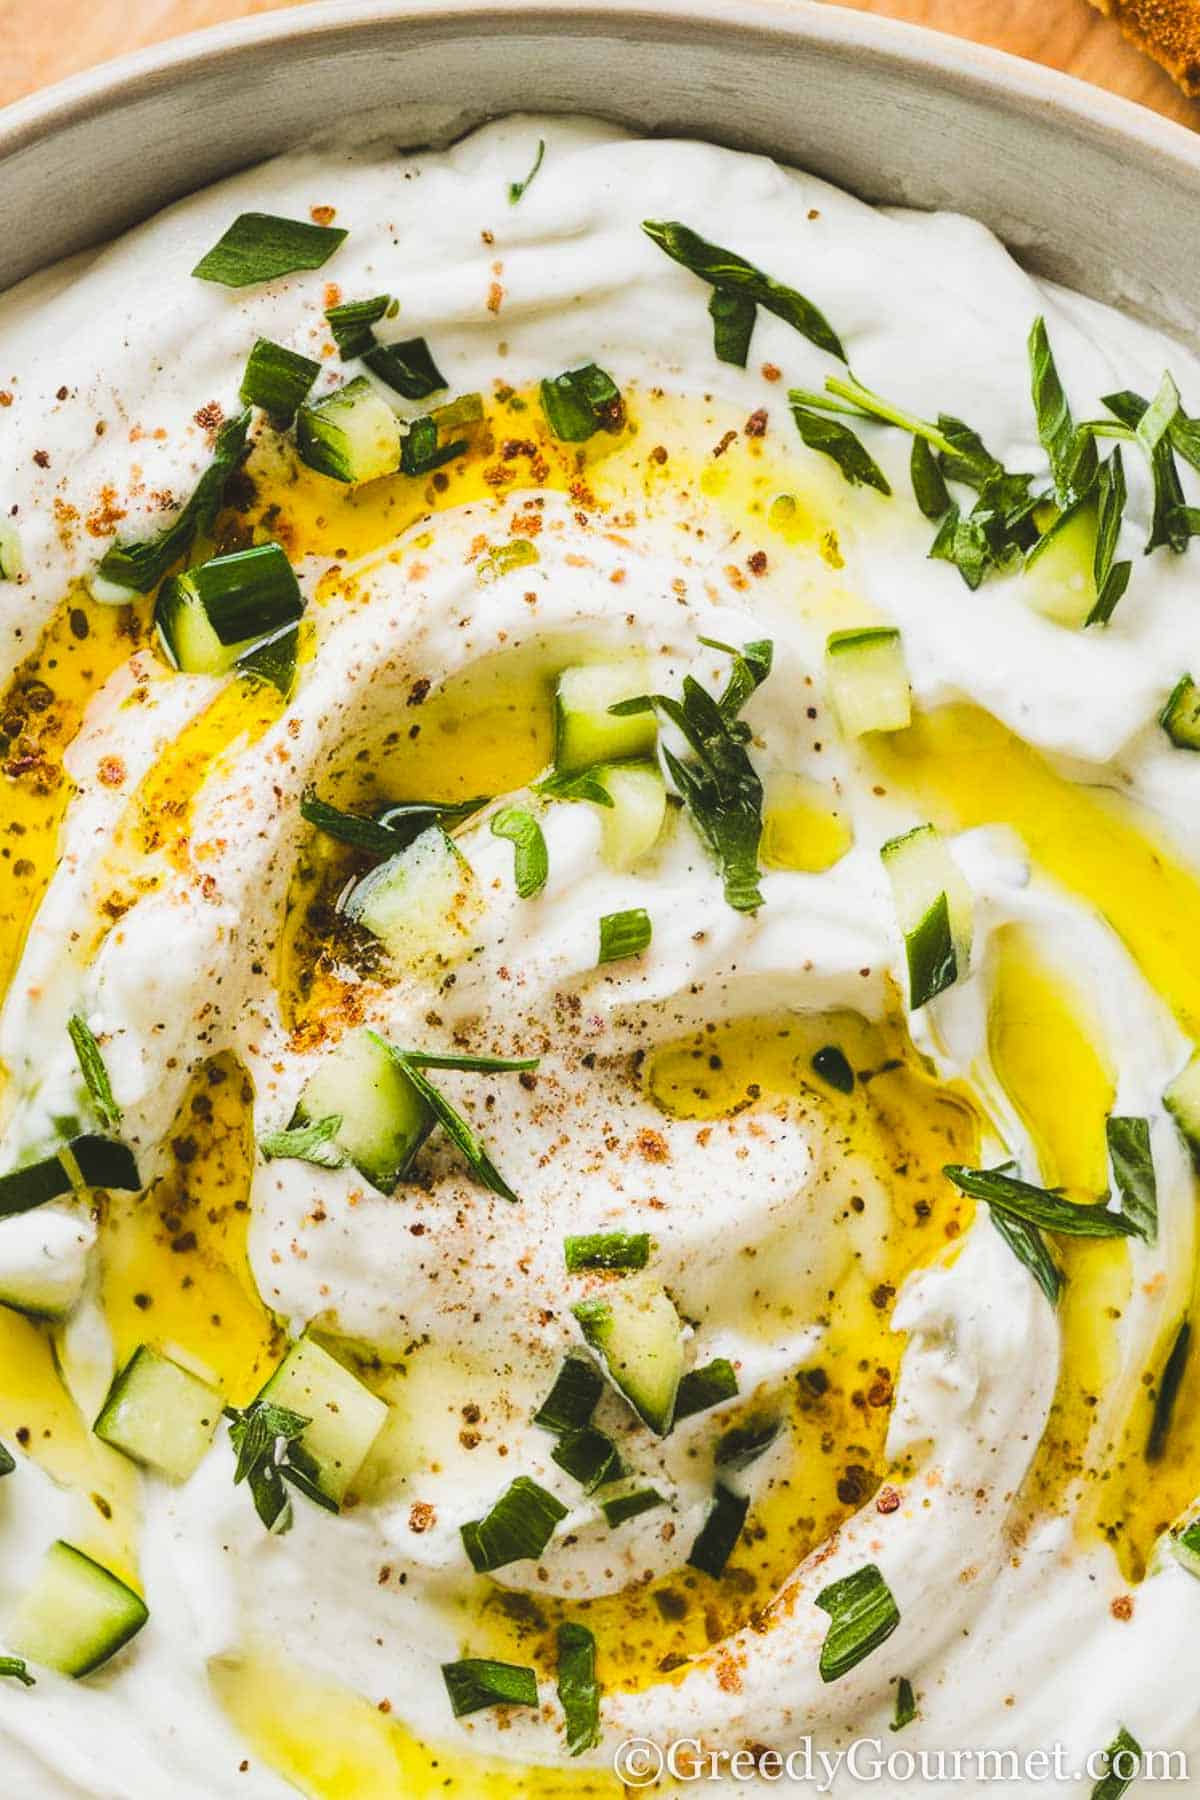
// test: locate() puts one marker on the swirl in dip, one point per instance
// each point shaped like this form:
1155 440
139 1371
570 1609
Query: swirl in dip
509 1135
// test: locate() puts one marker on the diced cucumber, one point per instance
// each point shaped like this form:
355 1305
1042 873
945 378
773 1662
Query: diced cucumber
352 434
420 903
868 680
159 1414
1182 1101
585 732
211 616
636 1331
933 907
43 1261
1180 717
384 1121
346 1417
1184 1540
631 825
1060 578
76 1615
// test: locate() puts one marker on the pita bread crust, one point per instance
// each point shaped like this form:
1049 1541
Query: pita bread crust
1168 30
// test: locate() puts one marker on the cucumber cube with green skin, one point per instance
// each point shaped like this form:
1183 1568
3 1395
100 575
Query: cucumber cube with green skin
631 826
1060 577
585 732
1184 1541
76 1615
43 1261
1180 717
160 1414
345 1417
352 435
1182 1101
637 1334
210 617
419 903
933 908
384 1120
868 680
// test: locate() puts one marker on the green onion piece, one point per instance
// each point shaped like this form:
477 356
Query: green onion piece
1133 1168
1124 1758
409 368
720 1532
7 1461
480 1065
727 271
141 565
477 1682
518 1527
589 1457
1039 1206
421 453
395 828
103 1162
703 1388
624 934
277 380
744 1444
15 1667
863 1614
531 861
630 1506
351 324
572 1400
831 1065
307 1143
906 1704
733 316
607 1250
517 188
578 1689
581 402
1169 1384
95 1074
23 1189
260 247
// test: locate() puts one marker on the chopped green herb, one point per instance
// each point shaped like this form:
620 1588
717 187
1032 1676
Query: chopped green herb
94 1071
703 1388
567 784
16 1668
518 1527
394 829
7 1461
277 379
409 368
1169 1383
578 1689
581 402
720 1532
1180 717
1133 1166
624 1507
607 1250
421 452
1124 1758
831 1065
477 1682
312 1143
928 482
744 1444
573 1399
1160 427
728 272
1111 577
413 1062
863 1614
85 1161
1072 454
260 247
843 446
906 1704
516 189
718 782
531 861
141 564
1029 1247
733 316
589 1457
263 1436
351 324
1038 1206
624 934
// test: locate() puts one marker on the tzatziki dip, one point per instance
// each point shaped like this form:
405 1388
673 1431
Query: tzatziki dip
599 902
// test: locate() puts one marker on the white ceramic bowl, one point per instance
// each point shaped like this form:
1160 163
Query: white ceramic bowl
1088 189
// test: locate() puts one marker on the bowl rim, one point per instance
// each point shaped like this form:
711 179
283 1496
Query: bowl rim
958 63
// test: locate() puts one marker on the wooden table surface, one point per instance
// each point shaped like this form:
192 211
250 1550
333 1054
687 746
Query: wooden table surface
47 39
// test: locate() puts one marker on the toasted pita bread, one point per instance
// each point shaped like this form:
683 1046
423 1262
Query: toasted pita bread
1168 30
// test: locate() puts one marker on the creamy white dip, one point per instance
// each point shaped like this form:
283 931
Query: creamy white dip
1009 1639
